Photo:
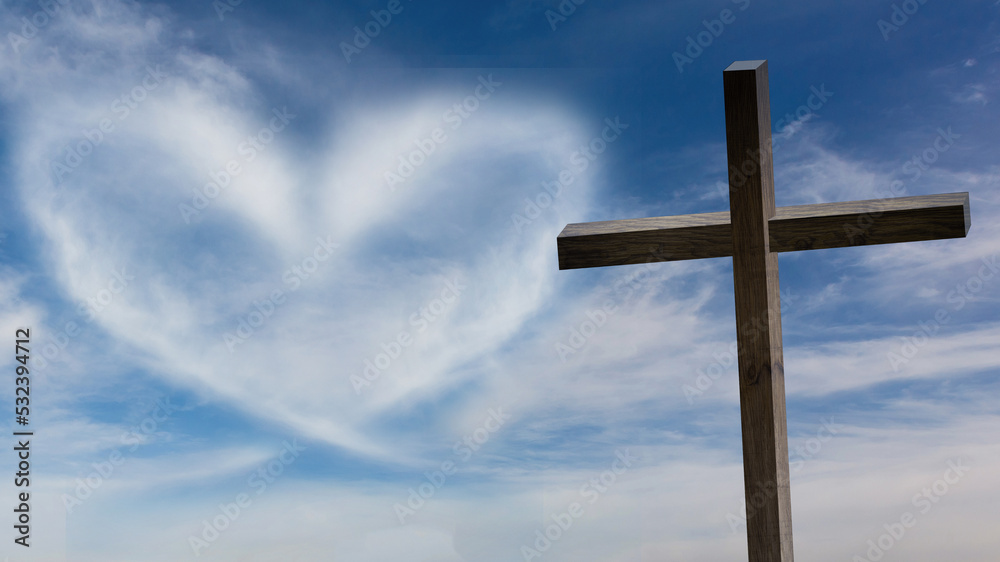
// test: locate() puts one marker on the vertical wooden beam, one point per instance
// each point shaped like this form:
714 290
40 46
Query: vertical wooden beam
758 313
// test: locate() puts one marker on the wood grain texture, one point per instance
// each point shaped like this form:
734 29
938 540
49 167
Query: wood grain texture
758 313
753 232
684 237
801 227
877 221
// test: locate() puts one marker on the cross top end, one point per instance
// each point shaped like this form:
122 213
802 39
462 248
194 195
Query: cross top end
746 65
752 232
785 229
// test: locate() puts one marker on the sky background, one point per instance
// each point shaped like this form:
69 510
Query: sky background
257 333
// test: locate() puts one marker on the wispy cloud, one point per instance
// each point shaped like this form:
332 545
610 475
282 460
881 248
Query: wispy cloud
222 228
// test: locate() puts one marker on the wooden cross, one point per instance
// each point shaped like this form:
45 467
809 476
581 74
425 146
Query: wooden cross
753 232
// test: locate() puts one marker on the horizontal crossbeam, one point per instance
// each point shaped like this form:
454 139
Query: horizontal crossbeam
800 227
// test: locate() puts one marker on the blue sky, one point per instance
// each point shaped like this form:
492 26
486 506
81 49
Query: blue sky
293 291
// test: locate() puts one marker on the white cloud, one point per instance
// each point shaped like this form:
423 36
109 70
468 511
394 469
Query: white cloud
193 283
494 345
